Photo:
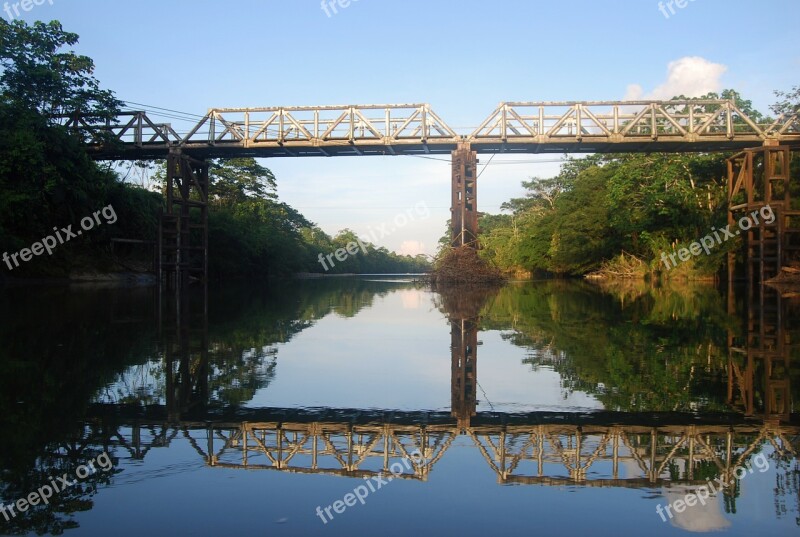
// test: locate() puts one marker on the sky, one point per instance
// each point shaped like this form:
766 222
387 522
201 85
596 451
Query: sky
462 57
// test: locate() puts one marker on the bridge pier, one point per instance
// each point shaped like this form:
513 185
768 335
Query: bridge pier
464 203
763 175
183 226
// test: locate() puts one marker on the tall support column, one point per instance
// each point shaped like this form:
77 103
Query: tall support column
758 184
183 227
464 203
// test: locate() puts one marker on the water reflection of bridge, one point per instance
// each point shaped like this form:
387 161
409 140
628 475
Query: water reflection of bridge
591 449
596 449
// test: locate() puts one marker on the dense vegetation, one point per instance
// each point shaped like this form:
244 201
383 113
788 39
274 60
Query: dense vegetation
253 233
46 178
612 210
48 181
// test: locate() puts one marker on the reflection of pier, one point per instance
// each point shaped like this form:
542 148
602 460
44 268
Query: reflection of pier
183 333
464 373
463 306
758 363
598 449
759 360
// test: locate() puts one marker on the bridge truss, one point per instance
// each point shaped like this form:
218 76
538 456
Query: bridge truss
413 129
559 450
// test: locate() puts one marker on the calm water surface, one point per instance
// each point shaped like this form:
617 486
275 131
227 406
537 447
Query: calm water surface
378 406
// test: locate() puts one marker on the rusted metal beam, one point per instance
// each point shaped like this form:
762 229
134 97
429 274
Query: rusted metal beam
464 198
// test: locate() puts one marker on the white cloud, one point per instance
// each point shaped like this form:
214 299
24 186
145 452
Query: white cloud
691 76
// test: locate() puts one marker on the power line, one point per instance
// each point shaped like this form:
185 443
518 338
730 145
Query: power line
486 396
485 166
351 208
499 162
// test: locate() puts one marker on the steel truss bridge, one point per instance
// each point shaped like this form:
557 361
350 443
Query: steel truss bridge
415 129
602 449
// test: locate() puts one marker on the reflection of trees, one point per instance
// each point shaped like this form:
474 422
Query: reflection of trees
236 375
62 350
243 334
787 488
136 384
245 325
56 349
463 301
56 516
653 350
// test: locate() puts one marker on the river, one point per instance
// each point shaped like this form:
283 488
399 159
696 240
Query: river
364 405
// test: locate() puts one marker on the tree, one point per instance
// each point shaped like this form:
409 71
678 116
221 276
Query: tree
46 177
37 75
789 102
239 179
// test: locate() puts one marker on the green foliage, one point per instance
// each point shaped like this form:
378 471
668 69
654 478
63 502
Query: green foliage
789 102
38 75
252 234
257 237
46 178
368 259
240 179
601 206
47 181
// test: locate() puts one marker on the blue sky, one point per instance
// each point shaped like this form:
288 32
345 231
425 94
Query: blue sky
462 57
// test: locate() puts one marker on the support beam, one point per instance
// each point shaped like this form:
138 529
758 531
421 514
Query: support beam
759 182
183 226
464 203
